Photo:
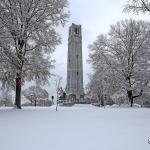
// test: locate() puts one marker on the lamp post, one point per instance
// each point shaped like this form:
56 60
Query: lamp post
52 99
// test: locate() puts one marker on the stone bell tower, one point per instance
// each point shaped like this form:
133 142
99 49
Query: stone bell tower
74 89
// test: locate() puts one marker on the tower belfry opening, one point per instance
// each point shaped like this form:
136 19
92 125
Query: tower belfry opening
75 91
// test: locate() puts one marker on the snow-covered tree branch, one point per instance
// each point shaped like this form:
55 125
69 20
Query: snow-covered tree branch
137 6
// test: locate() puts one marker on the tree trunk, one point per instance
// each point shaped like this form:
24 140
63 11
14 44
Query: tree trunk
19 74
99 99
35 103
18 92
102 100
130 97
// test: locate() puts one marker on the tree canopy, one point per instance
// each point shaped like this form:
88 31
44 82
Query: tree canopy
124 53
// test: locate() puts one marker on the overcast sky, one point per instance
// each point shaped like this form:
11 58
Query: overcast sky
95 16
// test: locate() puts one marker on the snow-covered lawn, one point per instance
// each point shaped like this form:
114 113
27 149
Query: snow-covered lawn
81 127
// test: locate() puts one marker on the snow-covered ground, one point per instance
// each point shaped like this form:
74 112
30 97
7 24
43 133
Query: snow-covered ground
81 127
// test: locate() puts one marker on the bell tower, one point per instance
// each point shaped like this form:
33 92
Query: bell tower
75 90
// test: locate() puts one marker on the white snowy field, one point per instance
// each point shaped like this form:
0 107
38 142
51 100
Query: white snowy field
81 127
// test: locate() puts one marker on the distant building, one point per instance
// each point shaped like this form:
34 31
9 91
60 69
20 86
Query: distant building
74 90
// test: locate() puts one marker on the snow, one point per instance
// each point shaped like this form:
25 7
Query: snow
81 127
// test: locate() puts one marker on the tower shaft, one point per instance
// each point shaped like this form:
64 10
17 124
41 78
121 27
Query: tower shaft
75 90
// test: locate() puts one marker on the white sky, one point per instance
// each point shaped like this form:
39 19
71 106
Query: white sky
95 16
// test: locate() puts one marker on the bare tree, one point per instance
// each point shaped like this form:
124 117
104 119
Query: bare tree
27 38
35 93
103 83
58 80
126 51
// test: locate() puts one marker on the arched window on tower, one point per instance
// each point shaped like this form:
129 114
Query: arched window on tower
76 30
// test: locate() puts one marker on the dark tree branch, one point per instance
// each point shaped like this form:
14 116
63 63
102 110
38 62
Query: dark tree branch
140 94
146 7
